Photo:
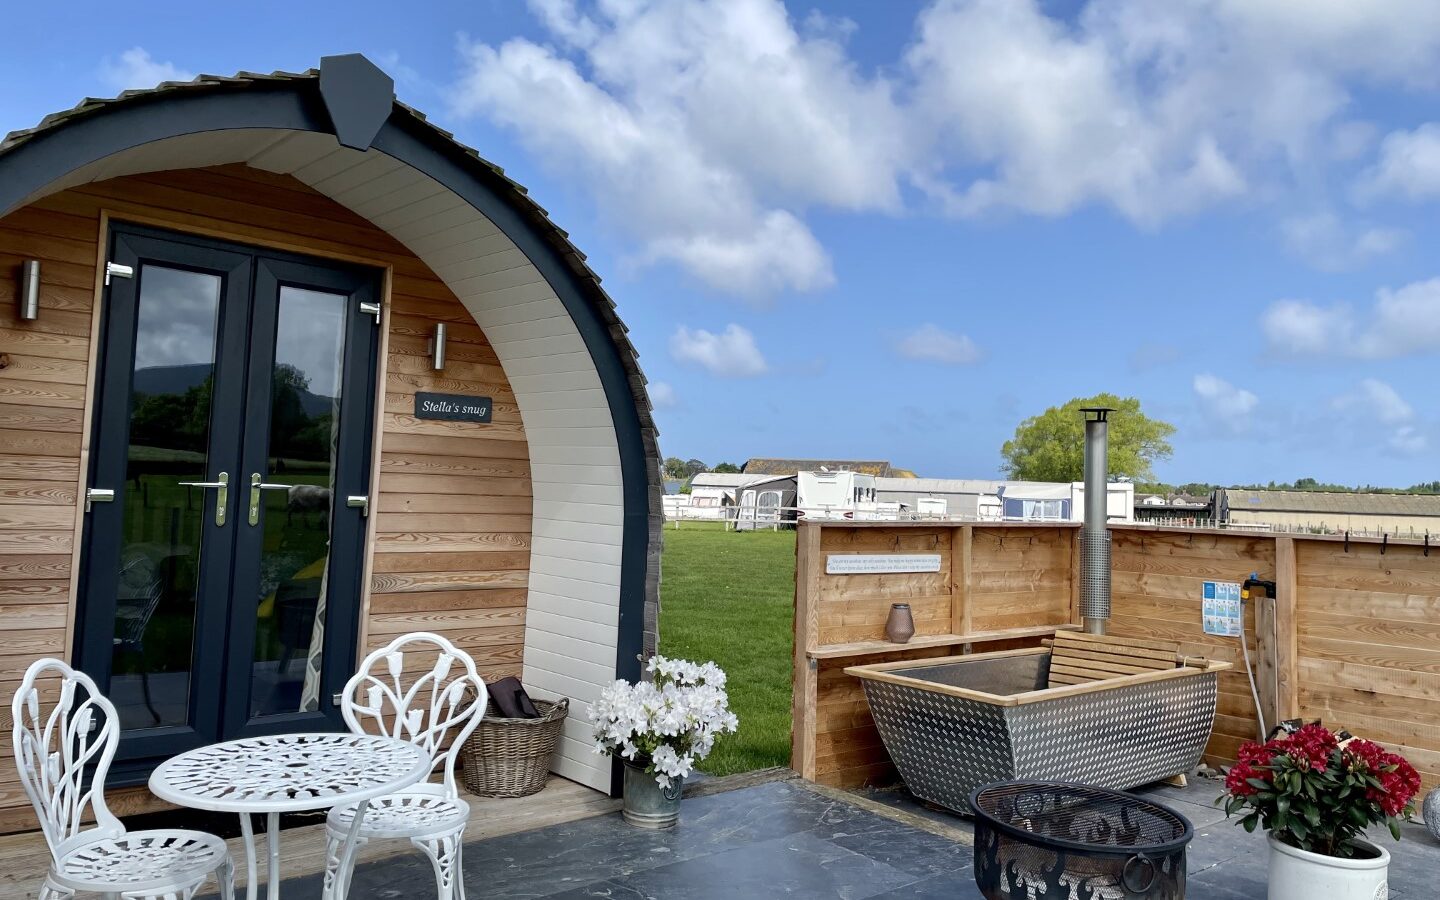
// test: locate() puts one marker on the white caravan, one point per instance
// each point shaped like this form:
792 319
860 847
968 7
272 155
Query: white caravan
834 495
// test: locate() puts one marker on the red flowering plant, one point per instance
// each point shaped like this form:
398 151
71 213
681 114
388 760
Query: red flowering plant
1312 791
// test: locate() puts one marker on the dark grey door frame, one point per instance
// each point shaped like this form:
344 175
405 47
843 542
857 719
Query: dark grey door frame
219 697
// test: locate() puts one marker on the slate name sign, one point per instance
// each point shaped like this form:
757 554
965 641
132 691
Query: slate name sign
452 407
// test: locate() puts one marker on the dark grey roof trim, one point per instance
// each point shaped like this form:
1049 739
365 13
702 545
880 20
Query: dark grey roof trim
95 129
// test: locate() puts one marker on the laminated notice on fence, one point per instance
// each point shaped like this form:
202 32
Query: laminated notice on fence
873 563
1221 608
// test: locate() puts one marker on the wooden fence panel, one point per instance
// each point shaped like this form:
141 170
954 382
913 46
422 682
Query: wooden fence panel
1156 582
1003 585
1352 636
1368 625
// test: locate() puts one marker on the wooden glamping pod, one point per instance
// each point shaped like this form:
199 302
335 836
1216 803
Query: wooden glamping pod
232 454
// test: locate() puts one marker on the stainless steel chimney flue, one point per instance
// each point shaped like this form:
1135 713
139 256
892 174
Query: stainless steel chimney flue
1095 533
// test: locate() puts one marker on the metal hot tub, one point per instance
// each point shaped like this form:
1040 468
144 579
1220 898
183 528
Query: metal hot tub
954 724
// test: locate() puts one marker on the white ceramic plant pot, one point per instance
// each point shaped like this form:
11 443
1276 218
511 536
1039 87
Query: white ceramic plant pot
1301 875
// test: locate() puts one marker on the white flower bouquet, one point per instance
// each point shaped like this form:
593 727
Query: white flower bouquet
667 724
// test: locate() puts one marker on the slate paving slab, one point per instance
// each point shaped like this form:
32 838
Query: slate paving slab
783 840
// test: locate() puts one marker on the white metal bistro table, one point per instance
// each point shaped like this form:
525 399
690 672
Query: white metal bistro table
288 773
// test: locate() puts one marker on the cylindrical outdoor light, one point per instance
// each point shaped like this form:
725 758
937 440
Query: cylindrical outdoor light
30 290
437 347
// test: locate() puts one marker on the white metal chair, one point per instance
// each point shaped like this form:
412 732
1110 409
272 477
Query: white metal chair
443 704
63 755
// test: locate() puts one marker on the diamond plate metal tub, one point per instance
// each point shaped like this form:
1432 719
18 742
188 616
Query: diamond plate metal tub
956 723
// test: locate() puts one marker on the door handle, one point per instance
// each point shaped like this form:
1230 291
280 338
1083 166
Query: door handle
256 486
221 484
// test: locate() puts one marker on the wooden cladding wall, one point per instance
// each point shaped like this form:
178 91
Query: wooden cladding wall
452 523
998 588
1350 638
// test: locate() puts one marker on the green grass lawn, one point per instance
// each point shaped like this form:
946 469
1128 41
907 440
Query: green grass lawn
729 597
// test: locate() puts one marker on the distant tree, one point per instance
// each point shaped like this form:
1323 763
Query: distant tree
727 468
1051 446
674 468
694 467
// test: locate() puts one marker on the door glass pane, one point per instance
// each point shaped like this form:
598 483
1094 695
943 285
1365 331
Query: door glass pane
174 371
304 427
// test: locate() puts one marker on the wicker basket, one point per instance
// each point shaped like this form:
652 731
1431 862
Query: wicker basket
511 757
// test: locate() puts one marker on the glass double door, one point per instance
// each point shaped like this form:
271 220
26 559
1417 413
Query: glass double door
230 462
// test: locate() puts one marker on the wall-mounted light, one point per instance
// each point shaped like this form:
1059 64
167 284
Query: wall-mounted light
30 290
437 347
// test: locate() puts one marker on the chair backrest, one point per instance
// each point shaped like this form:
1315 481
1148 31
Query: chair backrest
64 751
1078 658
435 708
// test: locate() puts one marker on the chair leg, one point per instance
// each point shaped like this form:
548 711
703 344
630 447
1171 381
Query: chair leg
445 856
337 875
52 891
333 845
184 892
225 877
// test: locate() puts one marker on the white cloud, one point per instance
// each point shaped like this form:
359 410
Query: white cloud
1329 244
1408 166
932 343
1224 403
662 395
1374 399
707 130
777 254
1374 403
1408 441
703 127
730 354
1403 322
1301 328
136 69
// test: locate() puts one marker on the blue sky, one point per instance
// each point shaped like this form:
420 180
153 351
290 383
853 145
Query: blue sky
893 230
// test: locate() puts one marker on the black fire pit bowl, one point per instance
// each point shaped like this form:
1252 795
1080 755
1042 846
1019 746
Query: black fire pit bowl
1052 840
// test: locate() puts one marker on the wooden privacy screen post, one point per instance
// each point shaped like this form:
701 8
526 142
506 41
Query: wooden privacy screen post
1287 639
1276 641
807 635
1267 656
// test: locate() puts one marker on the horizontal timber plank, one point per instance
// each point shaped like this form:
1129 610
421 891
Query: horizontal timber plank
440 601
55 566
872 648
477 561
459 541
472 523
391 583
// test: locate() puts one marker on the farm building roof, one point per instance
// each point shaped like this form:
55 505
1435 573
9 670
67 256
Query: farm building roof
726 479
1337 502
938 485
764 466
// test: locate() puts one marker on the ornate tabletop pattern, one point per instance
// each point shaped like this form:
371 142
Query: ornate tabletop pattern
289 772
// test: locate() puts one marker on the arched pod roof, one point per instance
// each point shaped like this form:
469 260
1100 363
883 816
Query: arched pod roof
438 197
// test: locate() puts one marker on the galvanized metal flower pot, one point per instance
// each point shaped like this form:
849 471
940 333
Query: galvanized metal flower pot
647 804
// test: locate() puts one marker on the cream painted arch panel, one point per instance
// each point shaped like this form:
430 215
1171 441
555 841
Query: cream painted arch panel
544 357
